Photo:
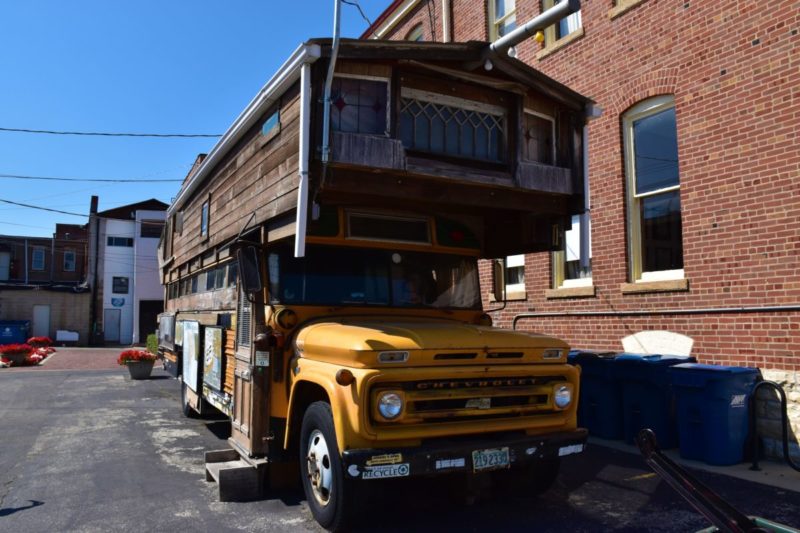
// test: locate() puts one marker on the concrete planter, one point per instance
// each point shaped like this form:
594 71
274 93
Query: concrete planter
140 369
17 359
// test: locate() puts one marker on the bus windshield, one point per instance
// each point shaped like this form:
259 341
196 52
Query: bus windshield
335 275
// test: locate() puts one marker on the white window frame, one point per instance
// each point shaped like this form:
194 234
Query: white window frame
643 109
552 120
74 260
388 82
560 262
495 23
37 251
515 290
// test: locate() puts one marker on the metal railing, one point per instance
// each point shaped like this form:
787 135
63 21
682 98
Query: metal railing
755 442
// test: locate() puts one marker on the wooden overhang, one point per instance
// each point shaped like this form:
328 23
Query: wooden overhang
529 204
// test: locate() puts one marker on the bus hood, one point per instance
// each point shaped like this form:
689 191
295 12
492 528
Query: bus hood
358 343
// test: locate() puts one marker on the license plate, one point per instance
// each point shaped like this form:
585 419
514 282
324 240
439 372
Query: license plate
490 459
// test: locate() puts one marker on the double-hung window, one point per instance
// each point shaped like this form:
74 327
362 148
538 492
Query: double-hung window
37 262
502 18
654 202
515 277
572 266
563 28
69 261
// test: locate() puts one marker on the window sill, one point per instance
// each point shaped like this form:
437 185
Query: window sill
559 44
622 7
511 296
570 292
673 285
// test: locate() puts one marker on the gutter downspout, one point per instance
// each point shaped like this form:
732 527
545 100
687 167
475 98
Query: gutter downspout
303 163
326 99
559 11
593 112
26 261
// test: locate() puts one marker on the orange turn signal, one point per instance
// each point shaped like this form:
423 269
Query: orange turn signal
344 377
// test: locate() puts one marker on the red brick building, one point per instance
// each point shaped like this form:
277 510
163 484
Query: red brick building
693 171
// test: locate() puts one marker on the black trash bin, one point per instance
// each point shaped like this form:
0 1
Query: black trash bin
647 399
600 398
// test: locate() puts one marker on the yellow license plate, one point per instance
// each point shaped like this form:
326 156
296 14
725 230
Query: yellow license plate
490 459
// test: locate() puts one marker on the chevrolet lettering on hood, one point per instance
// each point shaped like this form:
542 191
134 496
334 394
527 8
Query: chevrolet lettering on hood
476 383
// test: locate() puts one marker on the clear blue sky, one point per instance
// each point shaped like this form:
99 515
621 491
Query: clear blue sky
167 66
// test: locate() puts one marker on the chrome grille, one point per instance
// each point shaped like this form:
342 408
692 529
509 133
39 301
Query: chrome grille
436 401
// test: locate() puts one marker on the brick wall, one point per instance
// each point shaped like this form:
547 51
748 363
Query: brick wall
734 70
68 310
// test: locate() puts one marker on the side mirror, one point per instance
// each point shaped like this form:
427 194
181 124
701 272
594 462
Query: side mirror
498 280
248 258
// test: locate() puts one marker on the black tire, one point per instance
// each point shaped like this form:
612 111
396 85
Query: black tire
529 481
187 410
331 507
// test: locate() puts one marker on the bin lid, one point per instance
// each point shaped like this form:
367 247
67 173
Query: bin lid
720 369
578 356
654 359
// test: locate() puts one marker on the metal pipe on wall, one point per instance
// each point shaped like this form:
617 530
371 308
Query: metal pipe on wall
446 36
559 11
699 311
326 99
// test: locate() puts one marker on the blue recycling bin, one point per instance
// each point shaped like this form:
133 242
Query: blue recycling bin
712 410
600 398
647 400
14 331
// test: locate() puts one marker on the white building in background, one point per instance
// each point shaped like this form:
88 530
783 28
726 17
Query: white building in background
127 290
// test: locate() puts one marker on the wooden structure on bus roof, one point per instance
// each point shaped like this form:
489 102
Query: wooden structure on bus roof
427 127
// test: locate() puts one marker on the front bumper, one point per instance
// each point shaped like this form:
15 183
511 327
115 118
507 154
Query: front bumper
445 456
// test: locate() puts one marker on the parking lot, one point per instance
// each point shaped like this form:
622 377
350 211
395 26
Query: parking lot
91 450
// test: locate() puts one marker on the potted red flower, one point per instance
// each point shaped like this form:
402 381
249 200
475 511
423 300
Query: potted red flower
40 342
139 362
16 354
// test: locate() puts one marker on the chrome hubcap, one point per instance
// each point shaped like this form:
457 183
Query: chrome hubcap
319 467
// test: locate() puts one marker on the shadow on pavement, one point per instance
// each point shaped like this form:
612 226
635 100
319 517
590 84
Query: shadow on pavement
11 510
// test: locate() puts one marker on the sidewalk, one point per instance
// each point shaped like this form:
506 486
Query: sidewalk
774 473
75 359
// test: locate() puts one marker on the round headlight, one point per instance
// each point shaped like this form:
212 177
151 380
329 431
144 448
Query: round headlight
390 405
563 395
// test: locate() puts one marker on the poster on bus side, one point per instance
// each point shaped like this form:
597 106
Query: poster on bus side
191 354
212 357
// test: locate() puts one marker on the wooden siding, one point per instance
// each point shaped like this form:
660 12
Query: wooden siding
229 361
368 151
259 175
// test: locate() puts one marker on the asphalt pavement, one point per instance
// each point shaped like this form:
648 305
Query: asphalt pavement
90 450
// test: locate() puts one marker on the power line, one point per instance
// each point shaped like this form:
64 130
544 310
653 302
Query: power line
358 6
114 134
104 180
44 208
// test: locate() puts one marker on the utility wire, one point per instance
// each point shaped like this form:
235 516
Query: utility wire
358 6
104 180
115 134
44 208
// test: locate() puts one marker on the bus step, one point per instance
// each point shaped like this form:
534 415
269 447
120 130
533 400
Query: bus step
237 480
